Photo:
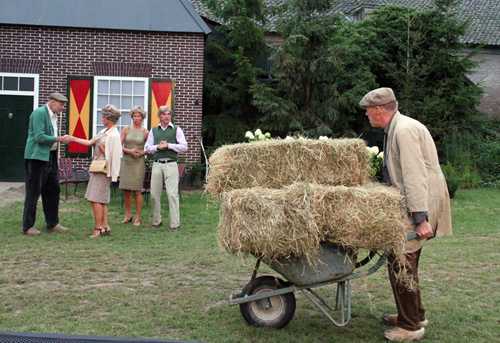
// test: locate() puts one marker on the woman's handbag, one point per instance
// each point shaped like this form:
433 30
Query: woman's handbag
99 166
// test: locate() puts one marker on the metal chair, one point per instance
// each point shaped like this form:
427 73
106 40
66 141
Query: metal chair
71 175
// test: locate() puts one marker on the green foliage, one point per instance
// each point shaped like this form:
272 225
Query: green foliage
453 179
420 56
313 91
488 162
234 49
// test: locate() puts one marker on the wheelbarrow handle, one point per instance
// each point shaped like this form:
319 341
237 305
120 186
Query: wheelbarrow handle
411 236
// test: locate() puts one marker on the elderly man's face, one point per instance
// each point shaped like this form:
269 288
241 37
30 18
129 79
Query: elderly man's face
56 106
373 114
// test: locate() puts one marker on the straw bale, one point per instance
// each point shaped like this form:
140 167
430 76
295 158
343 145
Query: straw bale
294 221
276 163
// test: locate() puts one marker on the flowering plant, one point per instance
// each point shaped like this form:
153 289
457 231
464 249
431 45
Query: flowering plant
259 136
377 158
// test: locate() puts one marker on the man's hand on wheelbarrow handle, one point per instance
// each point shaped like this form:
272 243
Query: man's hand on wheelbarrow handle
411 236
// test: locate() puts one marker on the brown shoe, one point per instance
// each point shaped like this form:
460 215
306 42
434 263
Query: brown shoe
401 335
32 232
174 228
157 225
392 320
58 228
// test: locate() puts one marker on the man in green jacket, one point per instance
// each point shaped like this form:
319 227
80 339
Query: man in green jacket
41 168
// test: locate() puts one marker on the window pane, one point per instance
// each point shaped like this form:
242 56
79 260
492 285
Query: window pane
139 87
114 87
102 100
126 102
99 118
139 100
127 87
103 86
1 83
115 100
10 83
27 84
99 128
126 119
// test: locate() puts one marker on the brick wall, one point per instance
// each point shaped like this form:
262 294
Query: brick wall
68 51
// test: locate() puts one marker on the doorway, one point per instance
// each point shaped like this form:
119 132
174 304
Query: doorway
15 111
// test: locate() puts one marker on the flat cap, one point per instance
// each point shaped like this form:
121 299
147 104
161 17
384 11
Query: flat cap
58 97
378 97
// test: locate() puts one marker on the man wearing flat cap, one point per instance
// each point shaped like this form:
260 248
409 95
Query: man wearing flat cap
41 168
411 164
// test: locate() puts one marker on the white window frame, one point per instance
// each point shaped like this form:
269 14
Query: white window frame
33 93
97 116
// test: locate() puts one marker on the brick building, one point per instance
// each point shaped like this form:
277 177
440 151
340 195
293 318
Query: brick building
136 52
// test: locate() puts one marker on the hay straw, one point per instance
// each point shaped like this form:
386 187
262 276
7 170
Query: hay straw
277 163
294 221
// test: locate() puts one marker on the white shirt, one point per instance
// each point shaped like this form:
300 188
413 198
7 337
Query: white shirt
53 119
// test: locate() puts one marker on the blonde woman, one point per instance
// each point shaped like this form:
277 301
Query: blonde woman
133 138
107 146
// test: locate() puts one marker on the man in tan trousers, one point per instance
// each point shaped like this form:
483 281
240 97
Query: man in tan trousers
411 164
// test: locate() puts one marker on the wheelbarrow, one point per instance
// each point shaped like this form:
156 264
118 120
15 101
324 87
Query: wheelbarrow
268 301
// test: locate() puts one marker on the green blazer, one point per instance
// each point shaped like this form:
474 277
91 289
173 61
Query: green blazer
40 135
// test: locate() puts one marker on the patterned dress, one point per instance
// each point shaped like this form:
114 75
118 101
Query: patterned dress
132 169
98 189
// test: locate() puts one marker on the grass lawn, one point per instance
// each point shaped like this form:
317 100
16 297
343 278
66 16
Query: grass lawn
151 283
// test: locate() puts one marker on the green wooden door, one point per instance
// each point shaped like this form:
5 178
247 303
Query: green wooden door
15 111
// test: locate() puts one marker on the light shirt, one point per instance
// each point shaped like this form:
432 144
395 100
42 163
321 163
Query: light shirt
181 145
53 119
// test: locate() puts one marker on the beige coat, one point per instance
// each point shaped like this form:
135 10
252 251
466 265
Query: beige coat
414 168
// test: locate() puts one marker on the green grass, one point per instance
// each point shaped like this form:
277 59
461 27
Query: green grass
151 283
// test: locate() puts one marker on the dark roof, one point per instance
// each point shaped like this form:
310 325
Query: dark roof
137 15
484 15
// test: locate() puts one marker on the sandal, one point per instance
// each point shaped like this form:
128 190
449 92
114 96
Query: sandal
137 223
100 233
125 221
106 230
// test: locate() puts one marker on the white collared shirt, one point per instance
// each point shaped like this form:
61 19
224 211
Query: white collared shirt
53 119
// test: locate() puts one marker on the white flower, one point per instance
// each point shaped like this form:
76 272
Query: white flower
261 137
258 132
373 150
249 135
267 134
380 155
302 139
288 138
323 138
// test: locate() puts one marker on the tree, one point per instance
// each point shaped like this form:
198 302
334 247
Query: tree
315 83
420 56
234 51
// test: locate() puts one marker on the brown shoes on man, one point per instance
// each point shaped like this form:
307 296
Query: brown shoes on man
174 228
58 228
32 232
401 335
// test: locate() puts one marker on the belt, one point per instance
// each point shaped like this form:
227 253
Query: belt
164 161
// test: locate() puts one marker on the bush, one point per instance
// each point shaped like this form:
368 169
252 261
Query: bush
489 164
453 179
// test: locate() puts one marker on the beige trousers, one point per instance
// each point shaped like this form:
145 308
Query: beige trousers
165 174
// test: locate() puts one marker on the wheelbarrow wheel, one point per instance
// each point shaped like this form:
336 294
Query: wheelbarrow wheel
275 311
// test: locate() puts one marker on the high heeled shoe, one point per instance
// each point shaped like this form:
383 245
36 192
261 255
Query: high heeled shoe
100 233
137 223
125 221
106 230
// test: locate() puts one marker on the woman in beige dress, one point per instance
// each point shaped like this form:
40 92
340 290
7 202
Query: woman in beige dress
133 138
107 146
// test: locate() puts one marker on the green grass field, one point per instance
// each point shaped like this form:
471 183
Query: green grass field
151 283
